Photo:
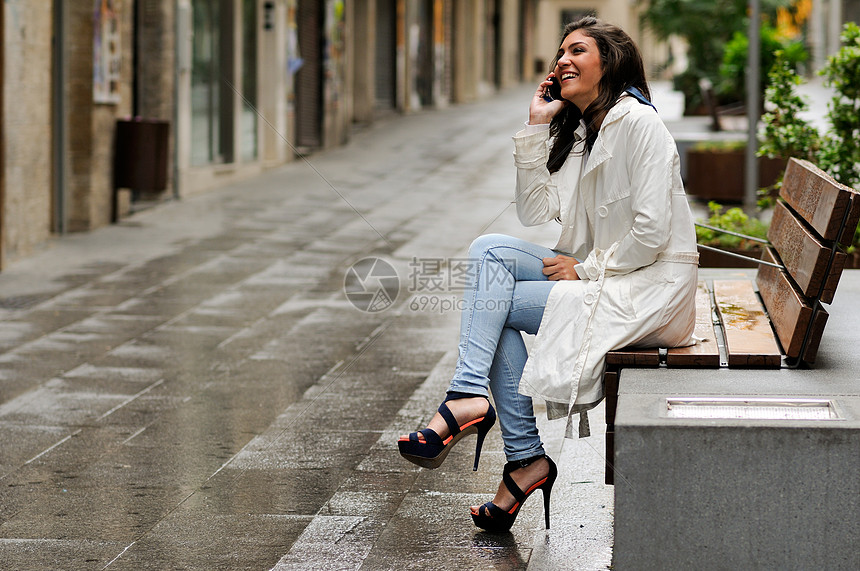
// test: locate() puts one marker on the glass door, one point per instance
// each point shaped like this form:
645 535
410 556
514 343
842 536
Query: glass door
211 88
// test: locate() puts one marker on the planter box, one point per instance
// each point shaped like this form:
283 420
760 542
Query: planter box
719 175
711 259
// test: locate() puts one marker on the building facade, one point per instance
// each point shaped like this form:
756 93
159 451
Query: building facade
111 105
107 106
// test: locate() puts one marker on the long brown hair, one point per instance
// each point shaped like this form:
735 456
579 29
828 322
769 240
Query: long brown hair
622 68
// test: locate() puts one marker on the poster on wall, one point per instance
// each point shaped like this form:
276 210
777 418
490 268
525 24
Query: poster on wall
107 51
334 59
294 57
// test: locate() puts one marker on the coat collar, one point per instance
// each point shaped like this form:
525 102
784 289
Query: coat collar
600 154
621 108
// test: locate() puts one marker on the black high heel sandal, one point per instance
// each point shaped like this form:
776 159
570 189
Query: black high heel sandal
493 518
433 450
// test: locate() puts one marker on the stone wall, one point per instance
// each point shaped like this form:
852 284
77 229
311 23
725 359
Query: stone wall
26 126
92 125
35 86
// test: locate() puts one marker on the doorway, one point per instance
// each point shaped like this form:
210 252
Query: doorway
385 80
309 86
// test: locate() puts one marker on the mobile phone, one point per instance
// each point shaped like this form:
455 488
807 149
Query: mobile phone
553 92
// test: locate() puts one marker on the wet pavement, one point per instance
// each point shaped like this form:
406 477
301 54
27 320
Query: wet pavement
192 389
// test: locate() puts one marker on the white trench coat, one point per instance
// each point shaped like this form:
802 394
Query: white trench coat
624 214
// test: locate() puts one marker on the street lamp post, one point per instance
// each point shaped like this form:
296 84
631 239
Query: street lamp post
753 105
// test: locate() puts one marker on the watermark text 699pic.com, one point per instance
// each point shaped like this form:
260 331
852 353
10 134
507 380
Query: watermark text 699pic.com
443 304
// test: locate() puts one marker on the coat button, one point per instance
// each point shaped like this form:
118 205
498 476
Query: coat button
602 211
589 298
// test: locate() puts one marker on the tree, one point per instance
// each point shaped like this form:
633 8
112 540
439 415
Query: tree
706 25
735 59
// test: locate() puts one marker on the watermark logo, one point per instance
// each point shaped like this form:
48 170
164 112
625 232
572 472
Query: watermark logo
371 285
437 285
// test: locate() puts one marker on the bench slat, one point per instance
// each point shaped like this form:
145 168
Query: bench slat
707 352
789 312
749 338
804 256
821 201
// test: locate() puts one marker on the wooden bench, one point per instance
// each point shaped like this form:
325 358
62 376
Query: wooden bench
778 319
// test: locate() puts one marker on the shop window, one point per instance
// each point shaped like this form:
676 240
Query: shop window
211 90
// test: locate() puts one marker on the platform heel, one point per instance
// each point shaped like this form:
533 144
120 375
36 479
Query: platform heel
494 519
433 450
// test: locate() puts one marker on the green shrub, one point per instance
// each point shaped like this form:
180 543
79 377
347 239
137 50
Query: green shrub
734 66
735 220
786 134
720 146
841 146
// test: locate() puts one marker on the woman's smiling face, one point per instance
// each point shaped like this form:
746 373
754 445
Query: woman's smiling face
579 69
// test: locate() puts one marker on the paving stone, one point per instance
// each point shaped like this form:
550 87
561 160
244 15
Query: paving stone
283 491
37 554
125 513
184 540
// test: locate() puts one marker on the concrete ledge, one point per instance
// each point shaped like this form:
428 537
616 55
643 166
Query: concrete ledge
694 493
736 496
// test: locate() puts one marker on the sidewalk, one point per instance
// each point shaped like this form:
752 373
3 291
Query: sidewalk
191 388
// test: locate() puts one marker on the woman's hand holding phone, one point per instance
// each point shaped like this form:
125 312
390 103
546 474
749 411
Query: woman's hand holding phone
547 102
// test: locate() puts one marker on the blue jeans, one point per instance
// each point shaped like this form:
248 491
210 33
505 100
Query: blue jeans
506 294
